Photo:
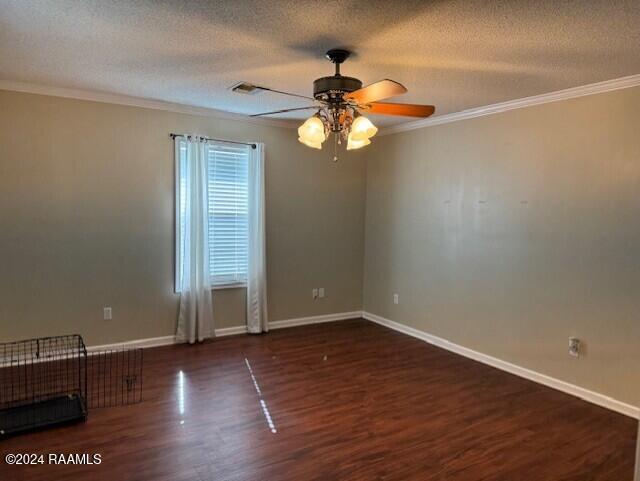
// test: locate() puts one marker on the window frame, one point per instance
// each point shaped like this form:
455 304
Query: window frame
178 232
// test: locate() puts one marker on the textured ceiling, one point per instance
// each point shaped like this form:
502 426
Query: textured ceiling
453 54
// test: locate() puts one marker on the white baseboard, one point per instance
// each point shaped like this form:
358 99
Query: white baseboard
144 343
161 341
300 321
303 321
582 393
229 331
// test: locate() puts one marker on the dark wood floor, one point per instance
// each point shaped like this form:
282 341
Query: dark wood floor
348 401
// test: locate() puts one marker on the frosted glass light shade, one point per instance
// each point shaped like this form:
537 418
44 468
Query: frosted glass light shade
312 130
310 143
362 129
356 144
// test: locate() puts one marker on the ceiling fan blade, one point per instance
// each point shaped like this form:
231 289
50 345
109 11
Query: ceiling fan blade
283 93
405 110
376 91
284 111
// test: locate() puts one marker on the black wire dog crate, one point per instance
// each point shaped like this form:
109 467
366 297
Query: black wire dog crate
43 382
54 380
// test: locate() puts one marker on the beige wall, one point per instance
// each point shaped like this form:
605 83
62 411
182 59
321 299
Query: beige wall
511 232
506 234
87 220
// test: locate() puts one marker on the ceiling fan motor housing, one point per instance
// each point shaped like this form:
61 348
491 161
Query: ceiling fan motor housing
334 87
335 84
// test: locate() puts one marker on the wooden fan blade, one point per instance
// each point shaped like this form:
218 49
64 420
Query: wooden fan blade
376 91
405 110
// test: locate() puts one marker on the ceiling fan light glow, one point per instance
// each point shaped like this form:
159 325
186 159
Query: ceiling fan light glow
310 143
362 129
356 144
312 131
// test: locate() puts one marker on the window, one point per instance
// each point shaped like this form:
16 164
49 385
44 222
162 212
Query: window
228 174
228 206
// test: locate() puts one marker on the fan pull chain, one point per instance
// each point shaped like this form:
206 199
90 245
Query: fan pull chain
335 147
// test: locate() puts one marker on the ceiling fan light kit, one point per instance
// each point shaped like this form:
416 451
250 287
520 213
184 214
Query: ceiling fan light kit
310 143
339 101
362 128
312 131
357 144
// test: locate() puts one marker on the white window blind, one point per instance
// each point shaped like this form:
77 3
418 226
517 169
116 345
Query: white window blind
228 174
227 181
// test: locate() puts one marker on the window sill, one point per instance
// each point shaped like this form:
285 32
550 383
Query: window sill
219 287
235 285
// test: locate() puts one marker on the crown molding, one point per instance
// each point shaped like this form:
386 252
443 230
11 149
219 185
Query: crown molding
118 99
111 98
595 88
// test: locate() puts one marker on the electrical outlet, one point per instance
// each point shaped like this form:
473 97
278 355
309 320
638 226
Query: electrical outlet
321 292
574 346
396 299
314 293
107 314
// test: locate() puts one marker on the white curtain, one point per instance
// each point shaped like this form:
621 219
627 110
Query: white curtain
195 319
257 320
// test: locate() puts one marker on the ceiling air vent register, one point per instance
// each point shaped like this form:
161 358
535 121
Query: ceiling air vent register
244 88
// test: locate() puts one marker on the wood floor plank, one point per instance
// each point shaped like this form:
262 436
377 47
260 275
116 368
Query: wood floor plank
348 400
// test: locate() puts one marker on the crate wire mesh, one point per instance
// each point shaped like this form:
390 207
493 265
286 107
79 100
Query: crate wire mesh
42 382
115 377
53 380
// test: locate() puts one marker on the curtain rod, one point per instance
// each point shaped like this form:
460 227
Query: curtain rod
173 136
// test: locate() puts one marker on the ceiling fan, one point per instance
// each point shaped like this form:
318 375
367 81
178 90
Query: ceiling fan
339 102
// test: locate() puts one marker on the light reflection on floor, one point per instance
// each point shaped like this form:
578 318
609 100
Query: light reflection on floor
263 403
181 395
